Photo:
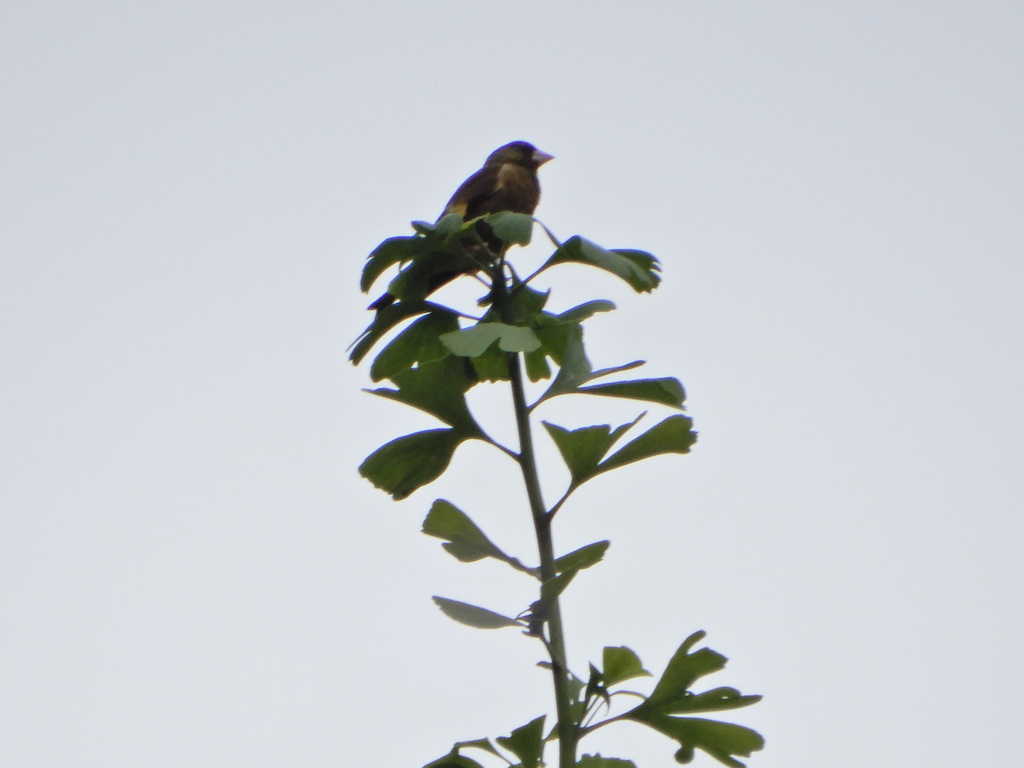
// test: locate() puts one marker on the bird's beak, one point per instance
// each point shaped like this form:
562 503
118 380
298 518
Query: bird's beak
541 157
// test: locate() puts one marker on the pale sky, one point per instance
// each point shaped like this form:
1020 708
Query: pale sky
192 573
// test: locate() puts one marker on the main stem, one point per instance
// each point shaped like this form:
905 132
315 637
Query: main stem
567 733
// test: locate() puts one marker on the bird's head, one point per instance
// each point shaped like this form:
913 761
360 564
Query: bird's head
520 153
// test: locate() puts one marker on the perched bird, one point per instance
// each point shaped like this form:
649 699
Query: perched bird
506 182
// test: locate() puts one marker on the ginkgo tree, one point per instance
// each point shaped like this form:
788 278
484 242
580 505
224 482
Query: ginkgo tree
433 356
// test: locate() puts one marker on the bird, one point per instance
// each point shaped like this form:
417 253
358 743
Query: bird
507 181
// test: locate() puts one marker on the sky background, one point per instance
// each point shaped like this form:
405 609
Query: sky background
192 573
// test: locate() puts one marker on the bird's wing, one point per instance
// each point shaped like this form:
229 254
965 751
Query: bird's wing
472 191
505 187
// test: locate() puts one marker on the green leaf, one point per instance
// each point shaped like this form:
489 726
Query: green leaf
683 670
412 461
617 369
537 367
474 341
576 687
492 365
427 271
585 311
564 344
392 251
673 435
671 696
596 761
464 540
621 664
562 340
474 615
482 744
526 743
666 391
551 589
584 557
548 232
511 228
643 261
527 304
417 344
638 268
454 760
388 318
715 700
596 688
434 250
720 740
572 384
439 389
448 225
583 448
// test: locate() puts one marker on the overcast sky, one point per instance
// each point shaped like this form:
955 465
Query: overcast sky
192 573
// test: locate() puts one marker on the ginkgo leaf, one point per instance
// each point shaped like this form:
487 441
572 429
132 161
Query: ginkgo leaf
474 615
